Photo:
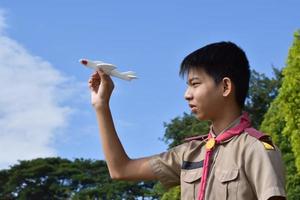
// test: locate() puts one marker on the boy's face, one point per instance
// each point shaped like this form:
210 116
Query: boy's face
204 97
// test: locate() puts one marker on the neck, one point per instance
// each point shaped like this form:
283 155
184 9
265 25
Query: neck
219 124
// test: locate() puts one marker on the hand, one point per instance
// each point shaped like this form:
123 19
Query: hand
101 87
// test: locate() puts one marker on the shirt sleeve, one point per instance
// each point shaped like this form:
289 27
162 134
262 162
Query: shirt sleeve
167 166
264 169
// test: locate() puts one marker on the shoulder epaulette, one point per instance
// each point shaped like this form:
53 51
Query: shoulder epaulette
197 137
265 139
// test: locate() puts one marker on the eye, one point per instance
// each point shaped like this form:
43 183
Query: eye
195 84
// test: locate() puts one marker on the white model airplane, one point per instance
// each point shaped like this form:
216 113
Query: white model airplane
109 69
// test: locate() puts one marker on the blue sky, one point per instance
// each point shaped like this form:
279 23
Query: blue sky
44 100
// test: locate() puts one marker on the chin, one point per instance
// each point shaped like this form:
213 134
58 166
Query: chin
201 116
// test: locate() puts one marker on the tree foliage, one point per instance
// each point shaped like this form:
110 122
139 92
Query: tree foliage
181 127
282 121
262 91
56 178
172 194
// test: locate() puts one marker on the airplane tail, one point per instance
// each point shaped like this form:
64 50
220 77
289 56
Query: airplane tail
130 75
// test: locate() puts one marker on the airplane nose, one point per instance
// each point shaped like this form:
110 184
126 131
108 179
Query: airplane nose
84 62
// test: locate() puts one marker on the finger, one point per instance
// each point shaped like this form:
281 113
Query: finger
94 81
100 72
91 87
95 77
95 73
104 76
94 87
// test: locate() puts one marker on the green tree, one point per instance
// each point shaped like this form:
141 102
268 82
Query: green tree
262 91
282 121
182 127
56 178
172 194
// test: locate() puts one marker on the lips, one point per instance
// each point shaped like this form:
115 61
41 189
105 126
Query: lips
193 107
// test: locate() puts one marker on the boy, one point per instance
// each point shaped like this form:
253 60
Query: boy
234 161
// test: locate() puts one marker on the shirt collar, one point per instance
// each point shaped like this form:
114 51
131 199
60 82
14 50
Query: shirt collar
231 125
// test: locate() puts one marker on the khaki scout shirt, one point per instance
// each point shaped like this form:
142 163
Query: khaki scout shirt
241 168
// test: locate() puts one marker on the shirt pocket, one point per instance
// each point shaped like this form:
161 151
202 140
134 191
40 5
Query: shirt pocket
227 184
190 180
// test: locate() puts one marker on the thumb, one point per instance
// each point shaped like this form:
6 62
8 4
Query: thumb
103 76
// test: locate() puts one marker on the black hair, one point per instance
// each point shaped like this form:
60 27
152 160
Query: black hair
219 60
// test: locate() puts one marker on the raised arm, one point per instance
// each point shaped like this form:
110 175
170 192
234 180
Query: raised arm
119 164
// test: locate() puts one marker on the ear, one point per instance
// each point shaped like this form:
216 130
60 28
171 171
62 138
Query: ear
227 86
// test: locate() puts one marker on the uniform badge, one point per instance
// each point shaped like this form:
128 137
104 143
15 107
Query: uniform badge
268 146
210 143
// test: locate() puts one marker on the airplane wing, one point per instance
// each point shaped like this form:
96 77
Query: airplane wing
106 67
124 75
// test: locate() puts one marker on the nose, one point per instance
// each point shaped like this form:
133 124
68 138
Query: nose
188 95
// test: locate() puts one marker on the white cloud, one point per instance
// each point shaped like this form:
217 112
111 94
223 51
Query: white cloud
32 93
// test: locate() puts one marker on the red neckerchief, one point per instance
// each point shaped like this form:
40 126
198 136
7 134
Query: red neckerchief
231 132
